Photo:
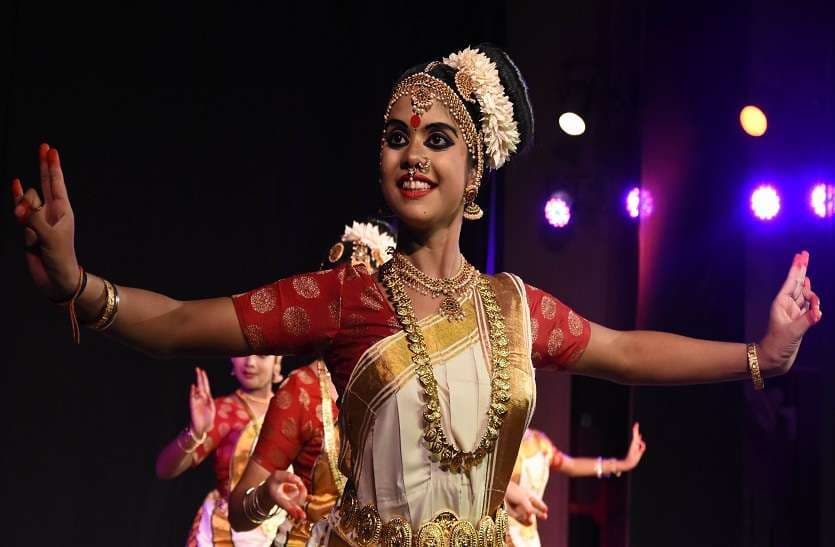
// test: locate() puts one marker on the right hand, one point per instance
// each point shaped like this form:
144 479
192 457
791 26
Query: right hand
287 490
49 229
522 504
202 404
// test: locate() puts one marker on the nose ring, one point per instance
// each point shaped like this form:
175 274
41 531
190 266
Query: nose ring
424 166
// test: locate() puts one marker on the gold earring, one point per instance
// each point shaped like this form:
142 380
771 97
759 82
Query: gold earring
471 209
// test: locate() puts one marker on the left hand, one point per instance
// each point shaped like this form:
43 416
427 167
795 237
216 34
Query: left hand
636 451
794 310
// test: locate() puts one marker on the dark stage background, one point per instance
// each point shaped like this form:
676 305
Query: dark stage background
212 149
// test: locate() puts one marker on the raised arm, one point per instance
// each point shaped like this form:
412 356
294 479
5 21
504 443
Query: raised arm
151 322
178 455
647 357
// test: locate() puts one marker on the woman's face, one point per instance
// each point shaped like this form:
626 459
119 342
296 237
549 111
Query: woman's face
256 371
433 198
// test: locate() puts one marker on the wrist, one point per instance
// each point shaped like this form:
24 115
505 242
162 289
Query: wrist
262 494
197 437
770 360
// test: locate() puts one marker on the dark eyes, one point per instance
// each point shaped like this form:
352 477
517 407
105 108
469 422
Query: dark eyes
396 139
436 140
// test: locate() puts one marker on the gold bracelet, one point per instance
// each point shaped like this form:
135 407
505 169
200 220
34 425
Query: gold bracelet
199 441
754 366
182 447
111 307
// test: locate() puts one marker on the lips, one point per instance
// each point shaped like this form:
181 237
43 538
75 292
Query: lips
416 186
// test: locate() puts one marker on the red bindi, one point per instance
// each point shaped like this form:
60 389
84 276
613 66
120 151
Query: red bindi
414 121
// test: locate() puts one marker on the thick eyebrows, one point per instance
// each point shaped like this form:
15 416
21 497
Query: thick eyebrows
441 126
398 124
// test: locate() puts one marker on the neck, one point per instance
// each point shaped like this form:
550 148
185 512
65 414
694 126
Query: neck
262 392
435 253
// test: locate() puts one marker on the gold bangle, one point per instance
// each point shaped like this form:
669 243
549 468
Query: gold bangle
199 441
754 366
111 307
253 511
182 447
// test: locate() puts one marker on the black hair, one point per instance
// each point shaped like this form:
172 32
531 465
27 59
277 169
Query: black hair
512 81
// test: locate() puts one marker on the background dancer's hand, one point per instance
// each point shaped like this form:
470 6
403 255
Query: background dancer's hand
288 492
636 451
523 505
49 229
201 403
794 310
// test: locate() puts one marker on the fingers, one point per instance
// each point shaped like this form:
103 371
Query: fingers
29 211
206 387
797 272
540 509
46 183
56 175
814 314
17 190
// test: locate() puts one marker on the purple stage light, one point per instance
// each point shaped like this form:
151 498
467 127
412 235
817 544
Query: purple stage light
639 203
765 202
822 200
558 210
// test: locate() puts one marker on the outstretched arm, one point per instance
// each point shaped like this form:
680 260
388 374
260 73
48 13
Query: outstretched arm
647 357
592 467
148 321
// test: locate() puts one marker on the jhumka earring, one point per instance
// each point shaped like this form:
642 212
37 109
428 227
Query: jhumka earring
471 209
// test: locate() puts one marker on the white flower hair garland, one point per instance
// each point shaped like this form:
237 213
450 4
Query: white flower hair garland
480 78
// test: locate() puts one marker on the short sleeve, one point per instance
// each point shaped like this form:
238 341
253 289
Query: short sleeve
293 315
560 335
283 434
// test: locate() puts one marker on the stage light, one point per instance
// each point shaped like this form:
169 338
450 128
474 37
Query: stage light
572 124
753 121
639 203
765 202
822 200
558 210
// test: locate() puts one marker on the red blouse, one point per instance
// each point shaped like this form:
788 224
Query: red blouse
342 312
293 429
231 418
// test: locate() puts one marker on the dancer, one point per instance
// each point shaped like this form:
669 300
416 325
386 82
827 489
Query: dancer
538 455
434 360
228 428
300 426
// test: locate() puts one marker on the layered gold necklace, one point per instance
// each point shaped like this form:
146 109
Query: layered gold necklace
441 449
450 288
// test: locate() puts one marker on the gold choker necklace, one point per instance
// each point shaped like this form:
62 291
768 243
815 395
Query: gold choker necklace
450 288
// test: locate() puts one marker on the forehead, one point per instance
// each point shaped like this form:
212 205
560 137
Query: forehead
402 110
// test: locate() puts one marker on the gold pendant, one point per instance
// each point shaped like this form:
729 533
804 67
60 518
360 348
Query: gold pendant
451 309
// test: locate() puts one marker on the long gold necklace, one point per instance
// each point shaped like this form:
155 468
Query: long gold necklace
441 449
450 288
